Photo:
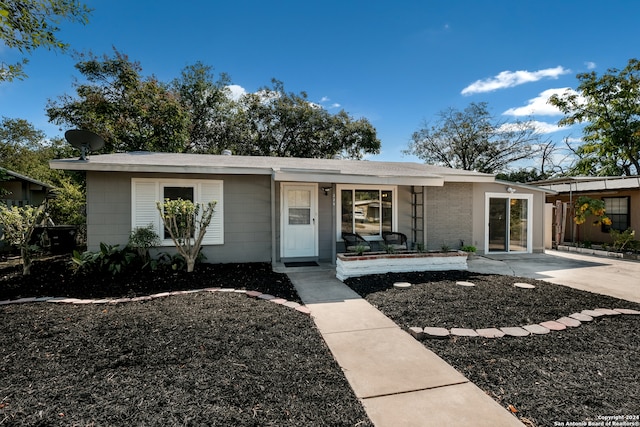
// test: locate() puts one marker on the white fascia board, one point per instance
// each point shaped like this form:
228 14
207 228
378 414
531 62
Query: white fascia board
311 176
157 168
469 178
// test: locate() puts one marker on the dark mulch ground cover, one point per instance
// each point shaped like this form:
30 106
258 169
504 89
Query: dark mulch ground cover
574 375
54 277
199 359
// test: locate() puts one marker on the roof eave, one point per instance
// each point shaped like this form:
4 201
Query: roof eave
86 165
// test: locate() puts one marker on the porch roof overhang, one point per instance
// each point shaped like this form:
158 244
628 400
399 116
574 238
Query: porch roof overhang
337 177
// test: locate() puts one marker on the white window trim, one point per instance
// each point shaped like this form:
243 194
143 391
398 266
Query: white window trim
529 198
215 230
339 188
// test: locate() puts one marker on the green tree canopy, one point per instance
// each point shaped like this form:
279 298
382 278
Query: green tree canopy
197 114
273 122
27 25
25 149
130 112
609 105
209 105
474 140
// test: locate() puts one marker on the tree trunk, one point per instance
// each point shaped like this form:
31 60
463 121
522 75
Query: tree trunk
191 262
26 261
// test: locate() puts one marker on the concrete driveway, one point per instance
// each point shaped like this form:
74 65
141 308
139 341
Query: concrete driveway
608 276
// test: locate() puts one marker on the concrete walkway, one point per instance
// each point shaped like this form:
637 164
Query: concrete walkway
399 381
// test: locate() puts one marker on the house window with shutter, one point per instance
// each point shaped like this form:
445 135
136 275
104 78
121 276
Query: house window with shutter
147 192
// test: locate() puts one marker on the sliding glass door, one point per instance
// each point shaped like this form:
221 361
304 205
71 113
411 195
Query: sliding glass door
508 225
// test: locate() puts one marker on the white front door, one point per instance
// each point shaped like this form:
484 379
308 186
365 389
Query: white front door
299 220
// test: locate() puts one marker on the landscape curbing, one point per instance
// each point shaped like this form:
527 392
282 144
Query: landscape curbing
112 301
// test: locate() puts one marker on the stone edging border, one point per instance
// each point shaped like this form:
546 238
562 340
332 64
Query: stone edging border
572 321
251 294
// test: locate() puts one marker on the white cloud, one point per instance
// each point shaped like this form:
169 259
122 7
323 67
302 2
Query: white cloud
539 106
335 105
590 65
544 127
537 126
325 99
507 79
236 91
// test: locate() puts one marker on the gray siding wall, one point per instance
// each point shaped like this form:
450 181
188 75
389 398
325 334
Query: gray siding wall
247 216
449 215
326 209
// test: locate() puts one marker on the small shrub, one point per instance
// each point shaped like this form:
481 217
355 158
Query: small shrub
420 247
359 249
109 258
469 248
622 239
142 239
18 224
389 249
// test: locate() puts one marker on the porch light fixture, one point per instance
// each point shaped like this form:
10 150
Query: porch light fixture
326 190
511 190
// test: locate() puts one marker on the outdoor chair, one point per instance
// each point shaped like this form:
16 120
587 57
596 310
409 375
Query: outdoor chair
394 240
353 242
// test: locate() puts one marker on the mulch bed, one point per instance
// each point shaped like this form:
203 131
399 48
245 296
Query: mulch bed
54 277
576 375
197 359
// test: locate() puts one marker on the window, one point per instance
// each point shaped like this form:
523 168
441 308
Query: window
175 193
146 192
367 211
617 209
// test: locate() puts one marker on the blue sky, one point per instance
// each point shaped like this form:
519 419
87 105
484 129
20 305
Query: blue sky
397 63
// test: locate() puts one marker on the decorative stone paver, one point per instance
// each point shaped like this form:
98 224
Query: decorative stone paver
463 332
469 284
402 285
253 294
627 311
431 332
608 311
536 329
573 323
303 309
23 300
553 325
490 333
266 296
515 331
581 317
416 332
291 304
524 285
592 313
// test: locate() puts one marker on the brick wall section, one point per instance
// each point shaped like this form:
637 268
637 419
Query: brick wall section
449 215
